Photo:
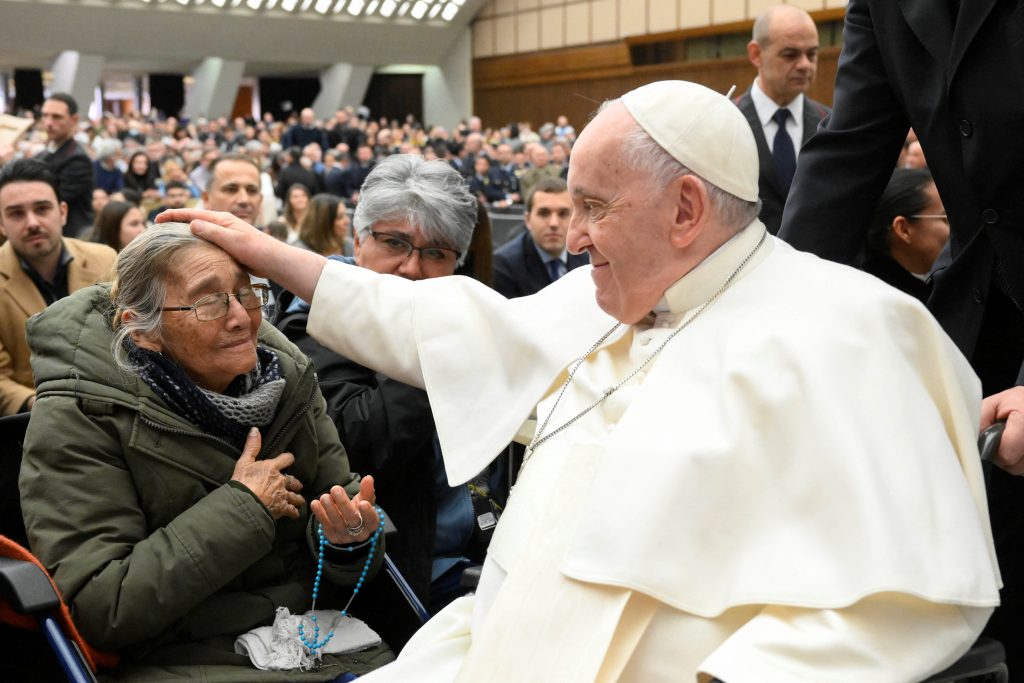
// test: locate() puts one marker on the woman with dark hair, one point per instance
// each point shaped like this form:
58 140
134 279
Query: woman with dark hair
141 175
296 202
325 227
118 224
907 232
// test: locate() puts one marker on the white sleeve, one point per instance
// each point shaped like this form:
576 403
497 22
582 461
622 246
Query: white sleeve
883 637
484 360
367 318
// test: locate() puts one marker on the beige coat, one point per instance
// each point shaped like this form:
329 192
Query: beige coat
20 300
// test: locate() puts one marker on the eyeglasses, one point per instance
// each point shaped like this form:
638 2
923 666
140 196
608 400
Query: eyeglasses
400 247
940 216
214 306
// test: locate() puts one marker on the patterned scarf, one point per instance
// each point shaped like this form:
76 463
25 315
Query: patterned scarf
250 400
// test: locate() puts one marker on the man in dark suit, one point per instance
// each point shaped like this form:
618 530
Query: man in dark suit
68 161
305 132
784 48
296 173
538 257
952 71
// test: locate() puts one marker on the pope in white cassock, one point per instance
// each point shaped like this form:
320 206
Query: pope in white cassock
749 464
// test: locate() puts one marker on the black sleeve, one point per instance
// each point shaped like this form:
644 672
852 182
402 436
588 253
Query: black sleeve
844 168
75 180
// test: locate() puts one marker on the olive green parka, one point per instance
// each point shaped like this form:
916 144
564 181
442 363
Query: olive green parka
160 555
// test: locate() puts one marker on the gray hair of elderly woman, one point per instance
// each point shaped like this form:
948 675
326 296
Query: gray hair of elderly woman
141 273
430 195
641 152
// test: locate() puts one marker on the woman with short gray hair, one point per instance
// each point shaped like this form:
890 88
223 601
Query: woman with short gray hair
430 195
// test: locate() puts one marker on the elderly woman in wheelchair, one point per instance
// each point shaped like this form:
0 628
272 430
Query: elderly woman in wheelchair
172 450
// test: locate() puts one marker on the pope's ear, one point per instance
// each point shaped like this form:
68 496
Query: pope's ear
691 210
141 339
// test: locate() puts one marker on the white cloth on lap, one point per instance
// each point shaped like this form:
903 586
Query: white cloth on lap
278 647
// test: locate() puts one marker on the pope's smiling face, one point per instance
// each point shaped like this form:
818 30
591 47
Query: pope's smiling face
622 219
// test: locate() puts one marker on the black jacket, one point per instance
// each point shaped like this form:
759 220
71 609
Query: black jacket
773 196
905 64
73 169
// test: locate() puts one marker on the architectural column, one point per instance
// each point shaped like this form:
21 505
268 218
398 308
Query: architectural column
78 75
448 88
214 88
341 85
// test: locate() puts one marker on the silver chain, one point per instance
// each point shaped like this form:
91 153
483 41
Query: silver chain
540 437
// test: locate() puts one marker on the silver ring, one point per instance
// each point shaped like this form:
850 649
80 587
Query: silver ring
357 529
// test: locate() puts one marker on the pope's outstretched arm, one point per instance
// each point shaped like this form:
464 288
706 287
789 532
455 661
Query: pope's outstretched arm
297 270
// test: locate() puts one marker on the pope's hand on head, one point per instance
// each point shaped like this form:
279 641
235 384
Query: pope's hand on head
298 270
1007 405
247 245
347 520
278 491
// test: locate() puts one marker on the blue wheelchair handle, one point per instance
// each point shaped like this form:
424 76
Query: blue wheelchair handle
988 441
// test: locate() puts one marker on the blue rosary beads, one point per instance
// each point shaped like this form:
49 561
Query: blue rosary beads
314 645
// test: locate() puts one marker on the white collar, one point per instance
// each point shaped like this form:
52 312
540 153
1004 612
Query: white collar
766 106
702 282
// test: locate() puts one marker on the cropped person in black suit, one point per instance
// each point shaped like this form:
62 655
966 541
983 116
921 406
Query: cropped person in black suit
538 257
953 71
784 48
68 161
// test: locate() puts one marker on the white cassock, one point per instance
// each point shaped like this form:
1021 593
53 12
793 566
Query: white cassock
790 491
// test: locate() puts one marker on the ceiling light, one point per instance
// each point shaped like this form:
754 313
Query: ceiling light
218 3
323 6
253 4
419 9
288 5
404 9
449 12
372 7
387 8
355 7
435 10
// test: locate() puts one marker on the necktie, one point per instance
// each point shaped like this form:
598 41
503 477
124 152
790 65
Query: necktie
783 151
555 269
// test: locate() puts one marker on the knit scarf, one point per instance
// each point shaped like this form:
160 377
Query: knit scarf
250 400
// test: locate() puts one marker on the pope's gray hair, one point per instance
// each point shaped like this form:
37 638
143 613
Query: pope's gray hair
641 152
141 273
430 195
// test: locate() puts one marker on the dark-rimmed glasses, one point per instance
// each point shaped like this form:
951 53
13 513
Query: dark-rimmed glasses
216 305
399 246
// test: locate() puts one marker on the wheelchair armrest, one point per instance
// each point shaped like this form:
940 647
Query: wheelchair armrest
470 576
26 586
986 656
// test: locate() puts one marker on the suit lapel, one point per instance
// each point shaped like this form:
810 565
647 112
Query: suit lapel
932 25
81 271
18 284
746 105
812 117
972 16
535 270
